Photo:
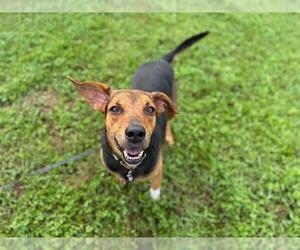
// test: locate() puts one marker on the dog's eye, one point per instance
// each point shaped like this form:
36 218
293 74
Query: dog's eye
115 109
149 110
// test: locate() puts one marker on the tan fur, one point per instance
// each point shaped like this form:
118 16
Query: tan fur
133 103
169 135
158 172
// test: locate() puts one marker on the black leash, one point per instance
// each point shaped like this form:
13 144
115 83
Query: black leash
48 168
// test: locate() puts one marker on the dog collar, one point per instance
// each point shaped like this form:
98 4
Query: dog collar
129 167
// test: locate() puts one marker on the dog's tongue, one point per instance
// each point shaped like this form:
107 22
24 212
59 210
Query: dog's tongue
133 151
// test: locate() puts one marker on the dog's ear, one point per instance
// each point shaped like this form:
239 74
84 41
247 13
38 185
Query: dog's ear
161 100
95 93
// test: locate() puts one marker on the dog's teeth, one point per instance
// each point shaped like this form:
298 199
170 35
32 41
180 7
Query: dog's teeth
133 158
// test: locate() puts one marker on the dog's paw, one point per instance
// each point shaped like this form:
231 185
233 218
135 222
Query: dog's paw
155 193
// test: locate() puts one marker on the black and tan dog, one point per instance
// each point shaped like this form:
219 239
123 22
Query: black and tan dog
137 120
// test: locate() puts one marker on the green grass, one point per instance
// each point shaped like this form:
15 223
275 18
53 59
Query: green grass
234 170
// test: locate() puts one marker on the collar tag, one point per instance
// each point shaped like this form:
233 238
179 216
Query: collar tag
129 176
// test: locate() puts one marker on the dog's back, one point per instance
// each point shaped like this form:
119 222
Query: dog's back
154 76
158 75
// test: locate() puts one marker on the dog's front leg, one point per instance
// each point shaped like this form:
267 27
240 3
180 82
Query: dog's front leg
156 178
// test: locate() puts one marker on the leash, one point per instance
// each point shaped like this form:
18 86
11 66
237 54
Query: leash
74 158
48 168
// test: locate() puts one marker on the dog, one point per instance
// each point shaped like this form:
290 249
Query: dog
137 120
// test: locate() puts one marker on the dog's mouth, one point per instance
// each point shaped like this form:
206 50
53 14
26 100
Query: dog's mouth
133 155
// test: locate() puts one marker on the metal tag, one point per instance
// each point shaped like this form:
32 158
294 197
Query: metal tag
129 176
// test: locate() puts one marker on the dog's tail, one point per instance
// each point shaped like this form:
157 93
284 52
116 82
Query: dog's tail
184 45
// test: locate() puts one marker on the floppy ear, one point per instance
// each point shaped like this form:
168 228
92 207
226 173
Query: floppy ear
161 100
96 94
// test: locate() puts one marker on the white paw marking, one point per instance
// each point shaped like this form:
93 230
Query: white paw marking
155 193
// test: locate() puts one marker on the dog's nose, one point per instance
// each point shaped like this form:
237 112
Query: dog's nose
135 133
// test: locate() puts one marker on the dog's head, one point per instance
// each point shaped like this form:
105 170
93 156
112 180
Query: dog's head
130 116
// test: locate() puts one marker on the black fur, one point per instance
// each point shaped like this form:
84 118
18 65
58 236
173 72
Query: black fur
152 76
184 45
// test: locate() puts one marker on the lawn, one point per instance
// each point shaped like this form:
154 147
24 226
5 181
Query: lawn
235 167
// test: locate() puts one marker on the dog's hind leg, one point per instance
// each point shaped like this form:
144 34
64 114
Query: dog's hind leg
156 178
169 134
